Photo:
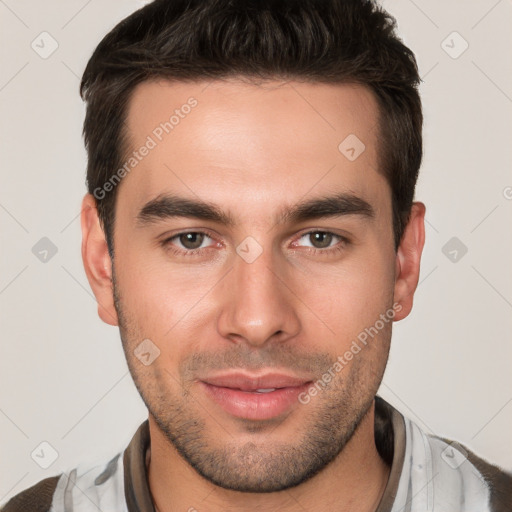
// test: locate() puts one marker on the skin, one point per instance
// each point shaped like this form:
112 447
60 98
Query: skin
254 150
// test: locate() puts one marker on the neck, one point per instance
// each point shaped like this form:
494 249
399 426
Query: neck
355 480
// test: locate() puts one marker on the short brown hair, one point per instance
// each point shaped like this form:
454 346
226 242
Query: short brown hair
325 41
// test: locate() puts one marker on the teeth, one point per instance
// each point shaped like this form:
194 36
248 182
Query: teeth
268 390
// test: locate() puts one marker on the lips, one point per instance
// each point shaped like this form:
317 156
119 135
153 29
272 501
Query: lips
246 382
254 397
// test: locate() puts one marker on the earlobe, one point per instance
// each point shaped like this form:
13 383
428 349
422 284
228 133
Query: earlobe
408 258
97 262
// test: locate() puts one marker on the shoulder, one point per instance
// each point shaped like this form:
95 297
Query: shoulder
37 498
496 479
96 486
444 472
429 472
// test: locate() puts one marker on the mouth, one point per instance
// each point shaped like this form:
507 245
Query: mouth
255 397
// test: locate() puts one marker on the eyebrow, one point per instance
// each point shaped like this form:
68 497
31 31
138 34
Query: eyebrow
168 206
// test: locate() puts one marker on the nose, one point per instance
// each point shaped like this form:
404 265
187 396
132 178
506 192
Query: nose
258 305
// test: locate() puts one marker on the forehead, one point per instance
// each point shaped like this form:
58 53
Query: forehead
267 142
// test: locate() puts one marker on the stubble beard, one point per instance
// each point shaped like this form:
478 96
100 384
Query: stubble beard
266 465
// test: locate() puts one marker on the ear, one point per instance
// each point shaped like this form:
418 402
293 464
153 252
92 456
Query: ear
97 262
408 256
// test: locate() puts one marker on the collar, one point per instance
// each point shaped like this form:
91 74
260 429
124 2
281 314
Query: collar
389 439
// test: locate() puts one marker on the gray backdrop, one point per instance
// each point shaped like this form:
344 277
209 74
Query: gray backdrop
64 381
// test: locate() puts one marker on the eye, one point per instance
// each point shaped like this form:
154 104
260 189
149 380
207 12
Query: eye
321 239
323 243
190 240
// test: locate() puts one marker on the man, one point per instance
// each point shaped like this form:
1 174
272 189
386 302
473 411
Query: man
250 227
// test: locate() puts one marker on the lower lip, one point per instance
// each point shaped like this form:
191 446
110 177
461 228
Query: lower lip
254 405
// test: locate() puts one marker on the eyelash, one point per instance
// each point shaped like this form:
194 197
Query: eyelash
340 246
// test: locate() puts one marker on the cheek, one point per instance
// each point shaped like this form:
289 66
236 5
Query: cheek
351 296
163 302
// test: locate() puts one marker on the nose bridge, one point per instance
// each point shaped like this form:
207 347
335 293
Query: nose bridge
257 306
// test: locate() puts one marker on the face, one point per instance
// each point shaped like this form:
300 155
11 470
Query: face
255 257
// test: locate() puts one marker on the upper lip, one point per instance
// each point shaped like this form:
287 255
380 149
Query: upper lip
247 382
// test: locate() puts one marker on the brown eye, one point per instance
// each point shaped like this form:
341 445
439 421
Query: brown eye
189 243
322 242
191 240
321 239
